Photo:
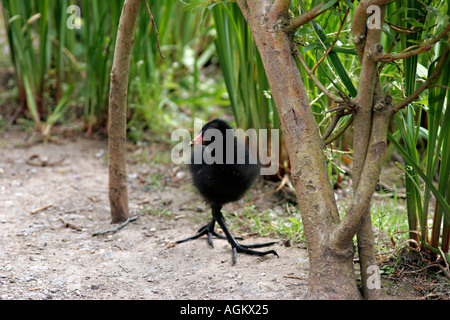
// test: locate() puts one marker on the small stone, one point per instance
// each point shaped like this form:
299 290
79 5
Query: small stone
180 174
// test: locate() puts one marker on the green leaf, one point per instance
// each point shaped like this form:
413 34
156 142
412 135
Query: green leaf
327 5
193 4
445 206
311 46
334 59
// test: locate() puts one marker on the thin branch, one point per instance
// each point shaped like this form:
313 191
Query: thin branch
345 104
117 228
41 209
333 124
307 16
439 86
70 225
311 75
399 29
434 264
339 131
437 70
338 109
408 52
156 29
332 45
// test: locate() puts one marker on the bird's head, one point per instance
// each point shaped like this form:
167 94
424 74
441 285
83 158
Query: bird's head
216 124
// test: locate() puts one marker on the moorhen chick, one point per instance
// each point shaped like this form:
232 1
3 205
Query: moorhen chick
222 172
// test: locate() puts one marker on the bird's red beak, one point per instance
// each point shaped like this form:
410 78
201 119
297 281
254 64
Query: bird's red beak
198 140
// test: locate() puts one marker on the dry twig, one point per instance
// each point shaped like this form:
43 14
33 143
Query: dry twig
115 229
156 29
70 225
41 209
332 45
43 161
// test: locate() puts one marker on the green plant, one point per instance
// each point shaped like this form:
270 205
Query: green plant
423 129
164 89
48 57
36 35
268 222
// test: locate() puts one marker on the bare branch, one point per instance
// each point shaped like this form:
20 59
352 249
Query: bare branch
338 131
332 45
408 52
156 29
311 75
307 16
117 228
333 124
404 30
437 70
439 86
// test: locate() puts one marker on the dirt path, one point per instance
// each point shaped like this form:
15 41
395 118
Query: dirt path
48 215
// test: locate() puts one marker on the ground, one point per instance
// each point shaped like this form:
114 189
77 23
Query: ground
49 213
53 198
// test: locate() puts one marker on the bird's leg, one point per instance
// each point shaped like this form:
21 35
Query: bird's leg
209 231
235 246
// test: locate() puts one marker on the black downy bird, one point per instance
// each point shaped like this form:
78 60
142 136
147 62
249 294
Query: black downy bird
222 176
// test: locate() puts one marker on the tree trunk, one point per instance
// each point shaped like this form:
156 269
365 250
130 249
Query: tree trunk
369 86
329 238
331 272
118 195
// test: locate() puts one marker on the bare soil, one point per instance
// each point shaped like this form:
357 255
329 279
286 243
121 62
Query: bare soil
53 197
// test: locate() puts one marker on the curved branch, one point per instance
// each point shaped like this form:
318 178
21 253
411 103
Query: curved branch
156 29
407 53
333 124
307 16
332 45
404 30
437 70
339 131
311 75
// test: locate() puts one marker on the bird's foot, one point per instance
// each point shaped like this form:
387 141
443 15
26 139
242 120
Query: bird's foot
236 247
209 231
